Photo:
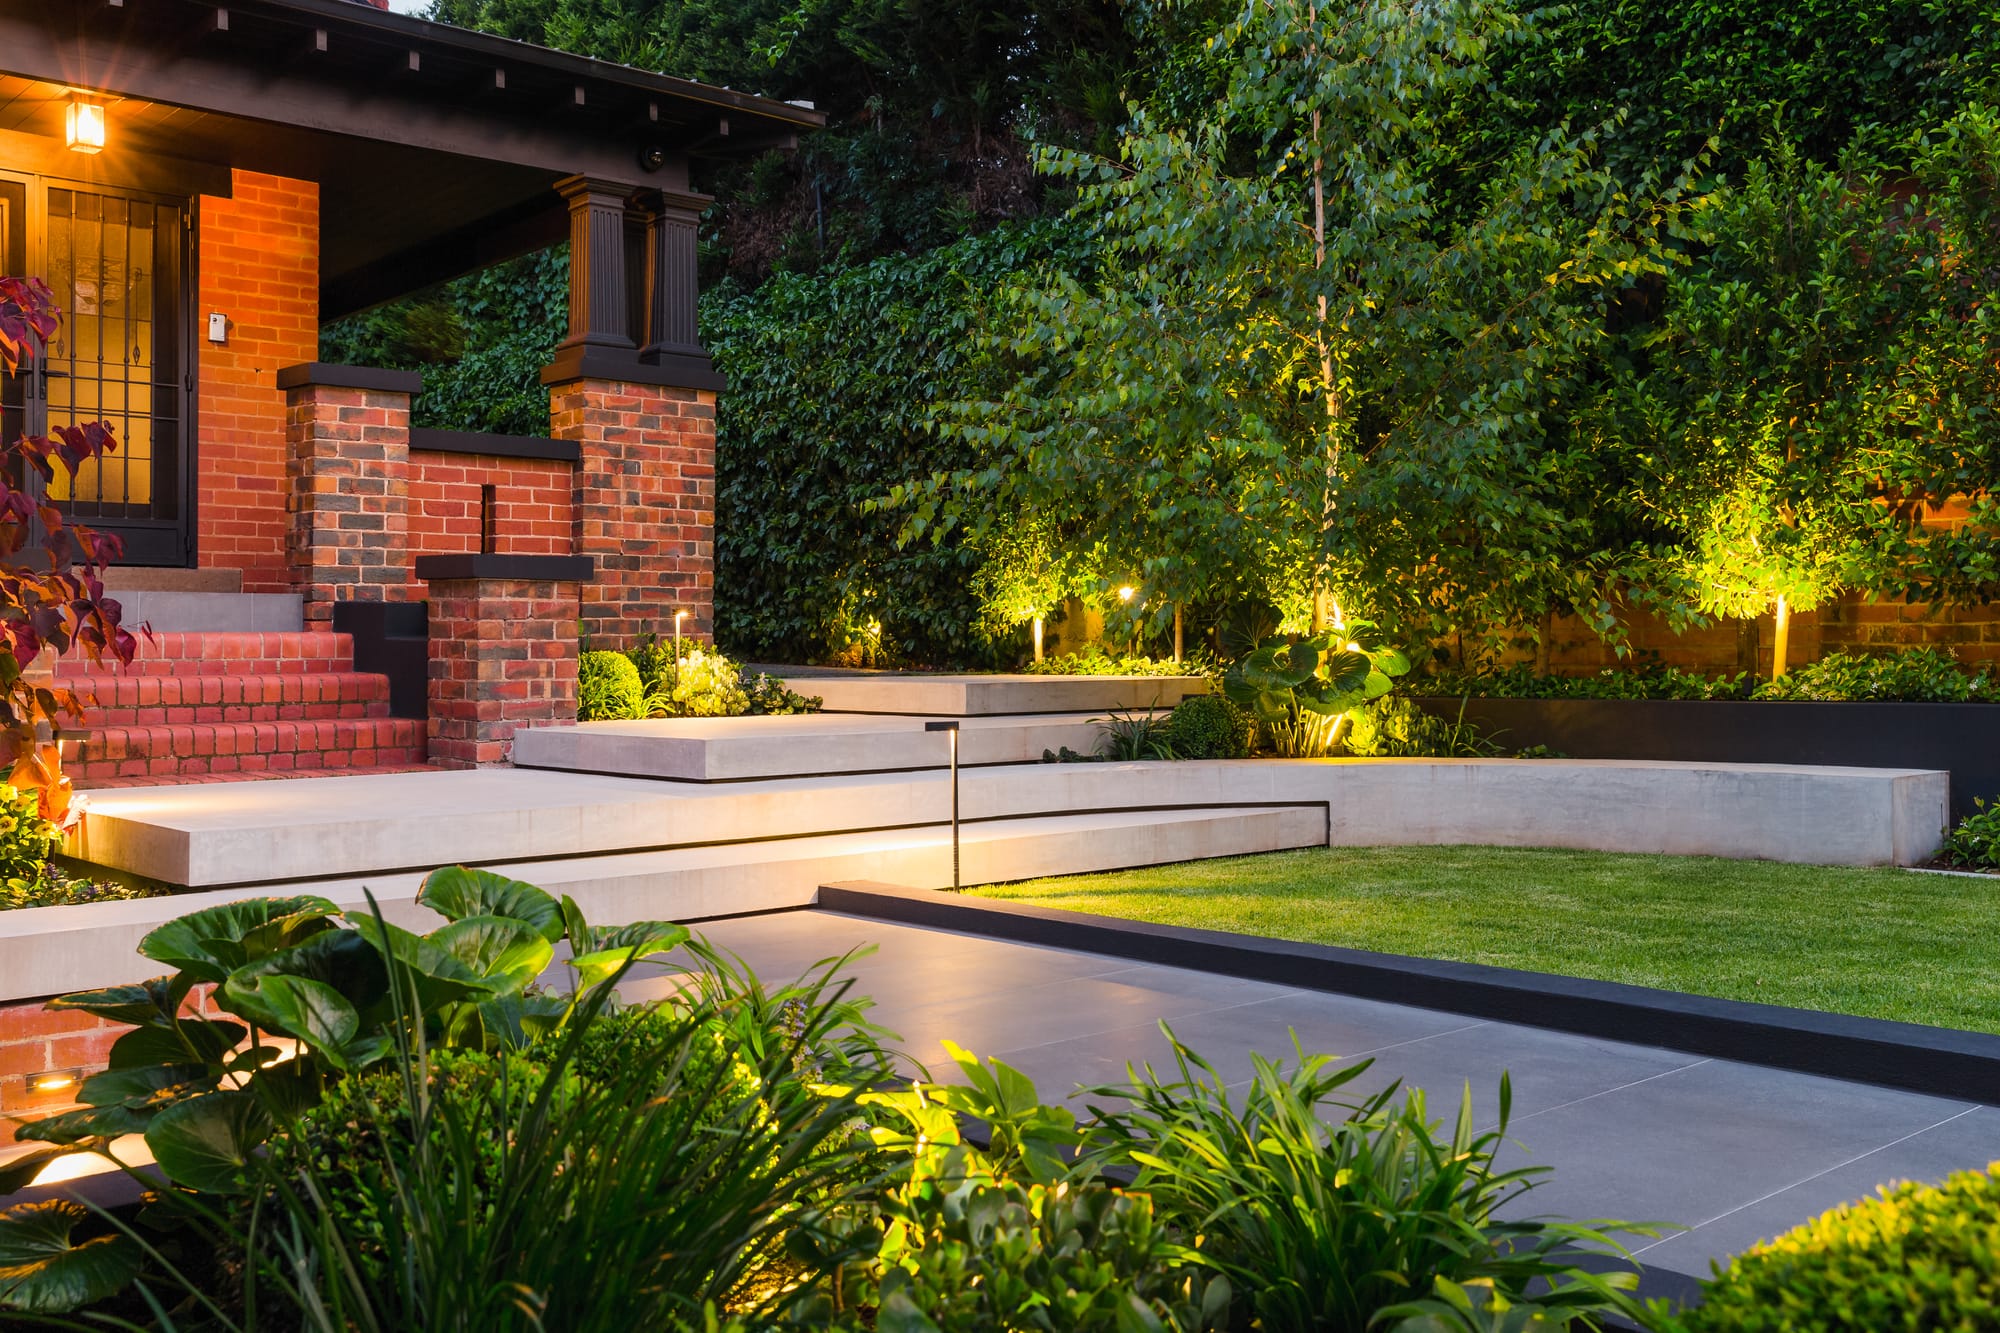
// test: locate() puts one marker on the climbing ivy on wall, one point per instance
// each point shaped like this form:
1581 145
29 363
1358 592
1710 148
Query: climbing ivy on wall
832 378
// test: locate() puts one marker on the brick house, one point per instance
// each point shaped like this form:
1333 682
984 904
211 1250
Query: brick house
203 184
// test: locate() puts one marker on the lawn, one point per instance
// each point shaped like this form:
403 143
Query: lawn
1882 943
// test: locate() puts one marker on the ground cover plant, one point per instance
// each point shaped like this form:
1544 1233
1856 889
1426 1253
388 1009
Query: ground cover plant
653 681
1913 675
1878 943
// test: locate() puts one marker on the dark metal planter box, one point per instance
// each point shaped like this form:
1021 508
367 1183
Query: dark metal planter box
1963 739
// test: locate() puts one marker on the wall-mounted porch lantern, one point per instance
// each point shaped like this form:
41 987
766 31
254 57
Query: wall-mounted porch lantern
83 125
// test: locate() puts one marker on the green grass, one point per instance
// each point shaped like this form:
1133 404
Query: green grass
1881 943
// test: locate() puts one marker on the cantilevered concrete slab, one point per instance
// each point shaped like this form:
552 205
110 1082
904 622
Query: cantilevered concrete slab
268 832
919 695
47 950
734 749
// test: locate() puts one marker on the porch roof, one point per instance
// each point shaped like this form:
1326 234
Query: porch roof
436 149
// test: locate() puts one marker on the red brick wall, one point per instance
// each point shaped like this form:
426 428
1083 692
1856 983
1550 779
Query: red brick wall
531 503
645 504
348 453
258 264
503 655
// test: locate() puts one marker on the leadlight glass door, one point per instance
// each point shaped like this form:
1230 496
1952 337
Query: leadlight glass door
118 267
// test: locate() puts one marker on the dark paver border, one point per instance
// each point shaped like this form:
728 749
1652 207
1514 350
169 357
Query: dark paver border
1941 1062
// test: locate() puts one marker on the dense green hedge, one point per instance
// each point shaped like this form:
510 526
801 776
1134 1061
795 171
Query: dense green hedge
832 377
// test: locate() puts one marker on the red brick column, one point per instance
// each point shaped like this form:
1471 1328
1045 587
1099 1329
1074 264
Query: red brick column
347 466
644 504
503 650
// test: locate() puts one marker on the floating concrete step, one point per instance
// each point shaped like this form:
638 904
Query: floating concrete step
47 950
261 832
918 695
733 749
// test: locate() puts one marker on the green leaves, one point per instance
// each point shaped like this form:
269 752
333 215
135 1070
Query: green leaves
1319 676
45 1270
207 1142
456 892
209 944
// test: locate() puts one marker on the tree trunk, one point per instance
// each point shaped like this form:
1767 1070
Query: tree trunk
1038 638
1545 633
1177 631
1781 639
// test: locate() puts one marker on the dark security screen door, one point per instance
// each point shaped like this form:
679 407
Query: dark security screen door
118 267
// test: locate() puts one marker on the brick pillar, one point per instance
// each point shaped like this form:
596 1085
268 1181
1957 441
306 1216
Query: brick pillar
644 503
347 466
502 649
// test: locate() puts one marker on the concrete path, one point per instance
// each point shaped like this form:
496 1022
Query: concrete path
1734 1152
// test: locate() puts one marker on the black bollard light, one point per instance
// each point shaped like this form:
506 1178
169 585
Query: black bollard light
951 729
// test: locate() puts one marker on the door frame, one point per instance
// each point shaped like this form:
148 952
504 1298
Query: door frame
176 547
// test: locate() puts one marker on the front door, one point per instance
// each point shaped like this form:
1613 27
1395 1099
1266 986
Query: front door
117 264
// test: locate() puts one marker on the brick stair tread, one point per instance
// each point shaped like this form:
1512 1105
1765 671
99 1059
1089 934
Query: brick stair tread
258 775
222 653
204 748
250 697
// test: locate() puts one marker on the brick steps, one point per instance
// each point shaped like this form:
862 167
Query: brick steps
212 706
138 701
231 653
249 747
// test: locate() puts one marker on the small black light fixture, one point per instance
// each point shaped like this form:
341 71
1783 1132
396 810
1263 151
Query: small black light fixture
652 157
950 728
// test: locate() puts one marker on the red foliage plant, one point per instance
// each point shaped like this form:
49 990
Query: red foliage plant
51 596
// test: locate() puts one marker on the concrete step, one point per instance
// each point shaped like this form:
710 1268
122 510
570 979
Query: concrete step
264 832
921 695
732 749
48 950
225 653
137 701
169 611
205 748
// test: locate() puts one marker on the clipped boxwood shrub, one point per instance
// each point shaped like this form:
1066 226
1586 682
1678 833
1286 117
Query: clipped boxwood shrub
1208 726
1915 1257
608 688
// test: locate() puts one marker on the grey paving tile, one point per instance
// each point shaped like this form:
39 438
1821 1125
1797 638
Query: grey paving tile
1544 1069
1702 1141
1968 1141
1057 1011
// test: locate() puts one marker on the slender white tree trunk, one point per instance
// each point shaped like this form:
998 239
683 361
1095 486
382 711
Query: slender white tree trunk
1781 640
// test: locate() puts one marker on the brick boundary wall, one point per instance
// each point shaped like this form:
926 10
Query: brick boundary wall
258 265
532 505
37 1040
503 655
644 507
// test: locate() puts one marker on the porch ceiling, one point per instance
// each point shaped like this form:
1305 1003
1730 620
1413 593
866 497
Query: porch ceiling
435 149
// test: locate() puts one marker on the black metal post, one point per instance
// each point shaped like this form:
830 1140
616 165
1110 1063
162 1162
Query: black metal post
951 728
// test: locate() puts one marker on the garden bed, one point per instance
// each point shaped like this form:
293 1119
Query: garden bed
1963 739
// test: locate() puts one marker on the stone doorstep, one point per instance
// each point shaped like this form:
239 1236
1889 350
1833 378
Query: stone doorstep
731 749
273 832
